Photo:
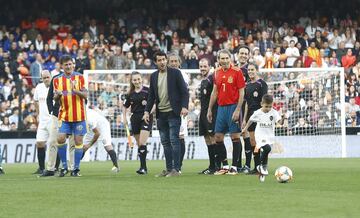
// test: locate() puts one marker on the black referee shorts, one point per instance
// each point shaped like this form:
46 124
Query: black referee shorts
253 125
206 128
138 124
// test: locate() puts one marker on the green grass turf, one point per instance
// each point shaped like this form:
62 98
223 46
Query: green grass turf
321 188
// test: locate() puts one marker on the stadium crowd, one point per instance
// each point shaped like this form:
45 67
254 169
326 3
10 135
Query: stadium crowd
128 41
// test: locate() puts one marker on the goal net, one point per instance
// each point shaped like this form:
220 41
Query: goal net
311 102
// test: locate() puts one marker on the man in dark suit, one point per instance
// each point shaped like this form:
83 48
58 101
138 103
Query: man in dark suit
170 94
265 43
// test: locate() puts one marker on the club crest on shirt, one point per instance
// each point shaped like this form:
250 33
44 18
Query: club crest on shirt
271 118
230 79
256 94
143 102
204 91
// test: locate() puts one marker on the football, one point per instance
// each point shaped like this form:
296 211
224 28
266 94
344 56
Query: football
283 174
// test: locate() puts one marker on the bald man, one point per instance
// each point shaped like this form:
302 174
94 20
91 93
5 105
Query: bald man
43 117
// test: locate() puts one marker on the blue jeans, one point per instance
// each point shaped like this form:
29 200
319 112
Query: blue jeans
169 127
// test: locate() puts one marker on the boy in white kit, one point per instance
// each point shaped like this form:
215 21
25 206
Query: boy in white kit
266 118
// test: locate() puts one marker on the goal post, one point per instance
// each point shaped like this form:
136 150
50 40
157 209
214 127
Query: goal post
311 102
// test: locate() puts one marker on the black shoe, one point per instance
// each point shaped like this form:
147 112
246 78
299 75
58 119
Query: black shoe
75 173
47 173
63 172
253 172
1 171
141 171
207 172
245 169
39 171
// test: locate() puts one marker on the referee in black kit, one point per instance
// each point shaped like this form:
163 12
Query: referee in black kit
206 129
171 96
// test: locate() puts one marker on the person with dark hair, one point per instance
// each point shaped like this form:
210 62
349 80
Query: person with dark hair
266 118
99 134
171 96
255 89
136 99
228 91
70 91
206 128
243 56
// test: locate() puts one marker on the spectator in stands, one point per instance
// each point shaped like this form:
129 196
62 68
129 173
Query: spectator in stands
39 43
292 54
24 43
265 43
277 40
349 37
192 60
32 32
319 39
202 39
36 69
82 62
117 61
348 60
108 94
314 53
129 61
93 30
100 56
334 39
290 36
127 45
163 43
14 117
69 42
5 124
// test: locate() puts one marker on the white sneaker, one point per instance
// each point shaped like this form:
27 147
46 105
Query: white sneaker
262 178
115 169
263 170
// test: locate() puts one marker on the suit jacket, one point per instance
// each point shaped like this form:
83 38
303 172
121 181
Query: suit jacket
177 91
262 49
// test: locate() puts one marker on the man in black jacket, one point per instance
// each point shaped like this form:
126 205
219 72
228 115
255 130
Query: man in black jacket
170 94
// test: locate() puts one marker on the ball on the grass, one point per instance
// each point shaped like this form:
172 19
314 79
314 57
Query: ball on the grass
283 174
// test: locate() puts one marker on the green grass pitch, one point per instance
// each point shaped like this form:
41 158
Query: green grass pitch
321 188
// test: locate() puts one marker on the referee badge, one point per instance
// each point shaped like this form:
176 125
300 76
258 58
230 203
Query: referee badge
230 79
204 91
256 94
143 102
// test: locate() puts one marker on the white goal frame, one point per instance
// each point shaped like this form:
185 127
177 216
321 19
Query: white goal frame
275 70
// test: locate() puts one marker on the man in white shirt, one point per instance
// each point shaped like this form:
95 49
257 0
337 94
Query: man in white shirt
99 134
290 36
44 119
334 39
292 54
